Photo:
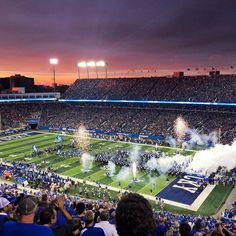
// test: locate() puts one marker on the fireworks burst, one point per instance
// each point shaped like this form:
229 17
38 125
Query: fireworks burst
83 138
180 127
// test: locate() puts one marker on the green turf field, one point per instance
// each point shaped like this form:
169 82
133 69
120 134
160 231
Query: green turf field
71 166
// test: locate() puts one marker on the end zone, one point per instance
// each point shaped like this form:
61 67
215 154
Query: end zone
186 191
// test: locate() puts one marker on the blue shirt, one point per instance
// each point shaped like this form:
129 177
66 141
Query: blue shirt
161 229
92 231
61 220
20 229
3 220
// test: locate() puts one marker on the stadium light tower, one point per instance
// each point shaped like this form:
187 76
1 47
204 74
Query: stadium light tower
54 62
102 64
91 64
81 64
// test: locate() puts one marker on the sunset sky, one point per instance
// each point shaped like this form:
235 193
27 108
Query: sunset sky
128 34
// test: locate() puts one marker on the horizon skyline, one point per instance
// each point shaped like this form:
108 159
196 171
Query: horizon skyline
146 73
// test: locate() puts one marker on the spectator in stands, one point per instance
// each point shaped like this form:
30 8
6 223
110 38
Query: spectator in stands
197 228
90 229
44 201
25 226
221 230
62 214
5 208
48 217
109 229
134 216
184 229
73 228
174 229
112 219
81 210
161 227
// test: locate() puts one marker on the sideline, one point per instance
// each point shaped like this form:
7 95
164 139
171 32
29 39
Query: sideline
228 203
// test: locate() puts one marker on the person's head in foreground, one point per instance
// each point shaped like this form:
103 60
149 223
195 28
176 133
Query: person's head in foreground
27 209
5 205
134 216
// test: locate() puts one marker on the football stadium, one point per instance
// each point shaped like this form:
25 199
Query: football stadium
136 153
179 156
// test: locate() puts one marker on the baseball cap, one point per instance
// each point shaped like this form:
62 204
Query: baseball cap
27 205
3 202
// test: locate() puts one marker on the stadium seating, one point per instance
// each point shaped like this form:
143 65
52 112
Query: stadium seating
139 120
194 88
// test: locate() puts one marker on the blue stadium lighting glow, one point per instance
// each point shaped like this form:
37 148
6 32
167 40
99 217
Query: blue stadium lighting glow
27 99
118 101
150 102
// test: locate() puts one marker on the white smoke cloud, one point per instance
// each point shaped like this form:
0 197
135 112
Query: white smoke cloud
124 174
182 130
166 163
207 161
86 162
171 141
197 139
152 164
203 162
152 180
134 154
111 167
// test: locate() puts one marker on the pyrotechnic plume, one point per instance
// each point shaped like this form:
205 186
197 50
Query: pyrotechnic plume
134 170
180 127
83 138
86 162
111 167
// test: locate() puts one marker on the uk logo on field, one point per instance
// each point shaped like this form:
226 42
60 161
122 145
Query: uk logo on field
184 189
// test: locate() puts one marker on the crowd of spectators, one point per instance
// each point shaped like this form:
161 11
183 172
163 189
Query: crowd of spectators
154 121
26 212
35 175
189 88
143 121
15 115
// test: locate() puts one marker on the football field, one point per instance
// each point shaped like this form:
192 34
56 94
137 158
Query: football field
19 148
